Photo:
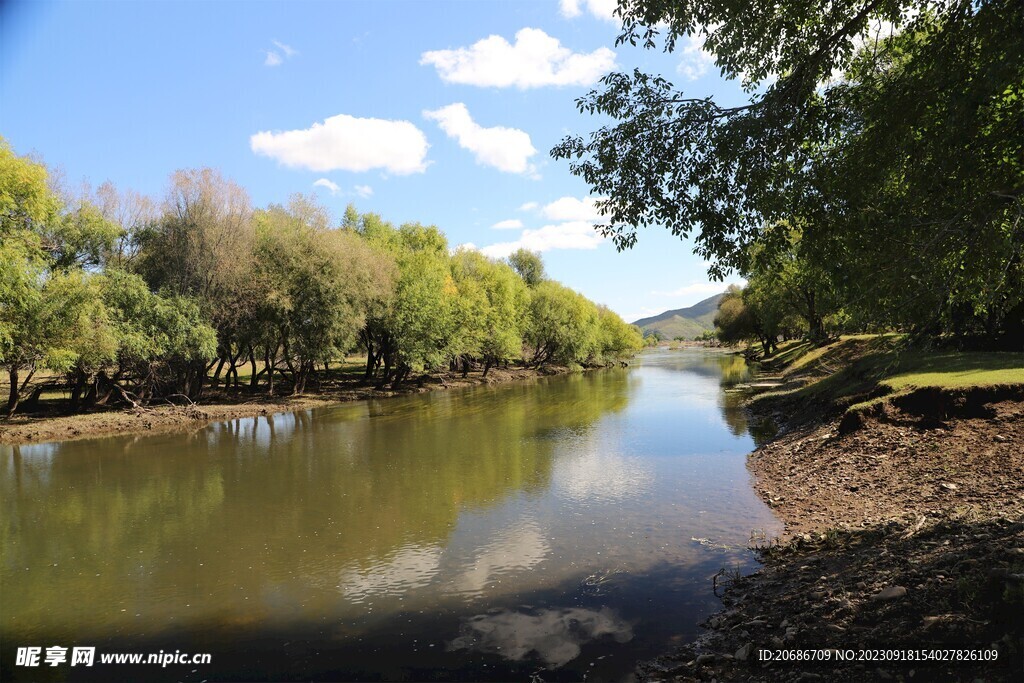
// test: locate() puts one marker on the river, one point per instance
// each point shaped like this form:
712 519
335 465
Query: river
543 529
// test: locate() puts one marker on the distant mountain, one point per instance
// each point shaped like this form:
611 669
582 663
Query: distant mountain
684 322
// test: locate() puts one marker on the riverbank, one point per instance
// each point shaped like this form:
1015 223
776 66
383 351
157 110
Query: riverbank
226 405
900 480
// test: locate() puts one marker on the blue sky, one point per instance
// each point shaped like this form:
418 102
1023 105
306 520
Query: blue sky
439 112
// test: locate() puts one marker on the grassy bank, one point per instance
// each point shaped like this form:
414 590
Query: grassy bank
899 475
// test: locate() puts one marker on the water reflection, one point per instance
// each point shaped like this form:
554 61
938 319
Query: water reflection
511 551
408 568
599 476
553 636
394 521
202 527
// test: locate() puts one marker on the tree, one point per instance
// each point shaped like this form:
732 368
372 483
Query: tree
734 321
133 213
47 318
414 329
529 265
944 103
786 282
26 202
320 282
854 157
49 308
490 309
203 247
562 325
617 339
158 340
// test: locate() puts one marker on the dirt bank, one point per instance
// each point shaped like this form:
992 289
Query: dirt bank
904 528
222 405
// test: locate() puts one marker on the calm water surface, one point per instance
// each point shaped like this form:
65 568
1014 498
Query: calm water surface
490 533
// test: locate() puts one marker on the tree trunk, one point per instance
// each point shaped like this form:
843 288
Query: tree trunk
12 397
77 389
387 372
269 369
215 380
254 380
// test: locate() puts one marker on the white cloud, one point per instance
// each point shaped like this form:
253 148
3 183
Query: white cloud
529 206
572 209
695 60
288 50
325 183
364 191
602 9
347 143
506 149
571 235
274 56
535 60
510 224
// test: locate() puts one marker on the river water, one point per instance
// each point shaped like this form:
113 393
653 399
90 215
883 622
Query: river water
561 529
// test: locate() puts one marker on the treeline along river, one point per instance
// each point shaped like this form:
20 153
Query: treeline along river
487 533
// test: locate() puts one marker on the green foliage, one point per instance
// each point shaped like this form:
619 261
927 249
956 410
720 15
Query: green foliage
616 338
941 102
734 321
25 199
318 284
136 305
562 326
202 246
529 265
904 175
152 328
416 328
73 236
490 310
81 237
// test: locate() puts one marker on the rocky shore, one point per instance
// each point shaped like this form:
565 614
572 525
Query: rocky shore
903 544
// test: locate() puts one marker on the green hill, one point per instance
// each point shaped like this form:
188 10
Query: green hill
684 322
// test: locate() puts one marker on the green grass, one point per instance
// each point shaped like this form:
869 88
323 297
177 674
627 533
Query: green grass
791 352
857 369
958 371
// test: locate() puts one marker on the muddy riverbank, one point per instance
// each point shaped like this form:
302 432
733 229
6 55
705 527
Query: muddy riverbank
904 535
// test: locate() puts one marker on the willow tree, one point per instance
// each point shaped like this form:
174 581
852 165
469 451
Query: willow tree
529 265
414 329
48 304
319 283
562 325
489 312
202 246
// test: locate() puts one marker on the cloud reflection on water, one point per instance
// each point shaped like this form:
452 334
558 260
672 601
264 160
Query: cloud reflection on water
593 476
410 567
513 550
554 635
